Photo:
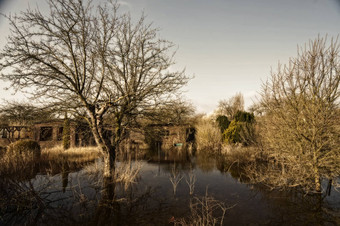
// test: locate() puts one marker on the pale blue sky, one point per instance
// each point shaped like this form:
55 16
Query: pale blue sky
228 45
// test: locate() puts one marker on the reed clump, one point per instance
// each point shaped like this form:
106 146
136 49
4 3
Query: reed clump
126 173
19 157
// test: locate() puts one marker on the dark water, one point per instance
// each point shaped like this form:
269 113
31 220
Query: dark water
72 195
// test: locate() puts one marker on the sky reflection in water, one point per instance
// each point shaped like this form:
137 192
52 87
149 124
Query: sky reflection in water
73 195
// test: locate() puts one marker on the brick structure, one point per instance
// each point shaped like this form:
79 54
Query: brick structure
49 134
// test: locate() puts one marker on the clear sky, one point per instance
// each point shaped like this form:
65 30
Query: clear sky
229 46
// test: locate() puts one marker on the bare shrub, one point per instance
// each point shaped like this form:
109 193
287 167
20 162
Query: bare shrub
21 199
208 136
205 211
300 127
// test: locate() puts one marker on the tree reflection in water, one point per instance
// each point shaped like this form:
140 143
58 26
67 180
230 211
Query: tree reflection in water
71 193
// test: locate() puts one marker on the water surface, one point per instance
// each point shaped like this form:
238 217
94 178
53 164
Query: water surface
72 195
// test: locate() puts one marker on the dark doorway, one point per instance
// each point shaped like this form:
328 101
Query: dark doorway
46 133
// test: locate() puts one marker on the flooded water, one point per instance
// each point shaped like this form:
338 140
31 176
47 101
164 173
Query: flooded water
72 195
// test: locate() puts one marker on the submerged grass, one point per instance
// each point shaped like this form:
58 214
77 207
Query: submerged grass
24 165
240 155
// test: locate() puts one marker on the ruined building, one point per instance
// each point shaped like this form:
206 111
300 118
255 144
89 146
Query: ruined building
49 134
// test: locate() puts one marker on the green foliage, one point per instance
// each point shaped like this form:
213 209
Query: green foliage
222 122
243 116
232 134
66 134
24 148
241 129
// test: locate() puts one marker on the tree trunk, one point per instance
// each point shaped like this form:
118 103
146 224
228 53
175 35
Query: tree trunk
316 174
317 181
109 150
109 162
107 212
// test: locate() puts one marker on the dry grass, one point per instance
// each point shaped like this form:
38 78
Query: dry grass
14 163
10 165
127 173
208 136
239 155
73 154
21 165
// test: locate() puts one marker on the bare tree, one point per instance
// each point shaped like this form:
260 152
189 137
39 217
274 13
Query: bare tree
300 126
231 106
177 112
92 61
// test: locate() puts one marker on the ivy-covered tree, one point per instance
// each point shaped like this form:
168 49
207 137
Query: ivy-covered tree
243 116
66 133
232 133
222 122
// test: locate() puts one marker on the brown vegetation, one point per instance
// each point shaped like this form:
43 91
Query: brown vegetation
208 136
72 154
19 157
24 149
231 106
300 129
204 211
